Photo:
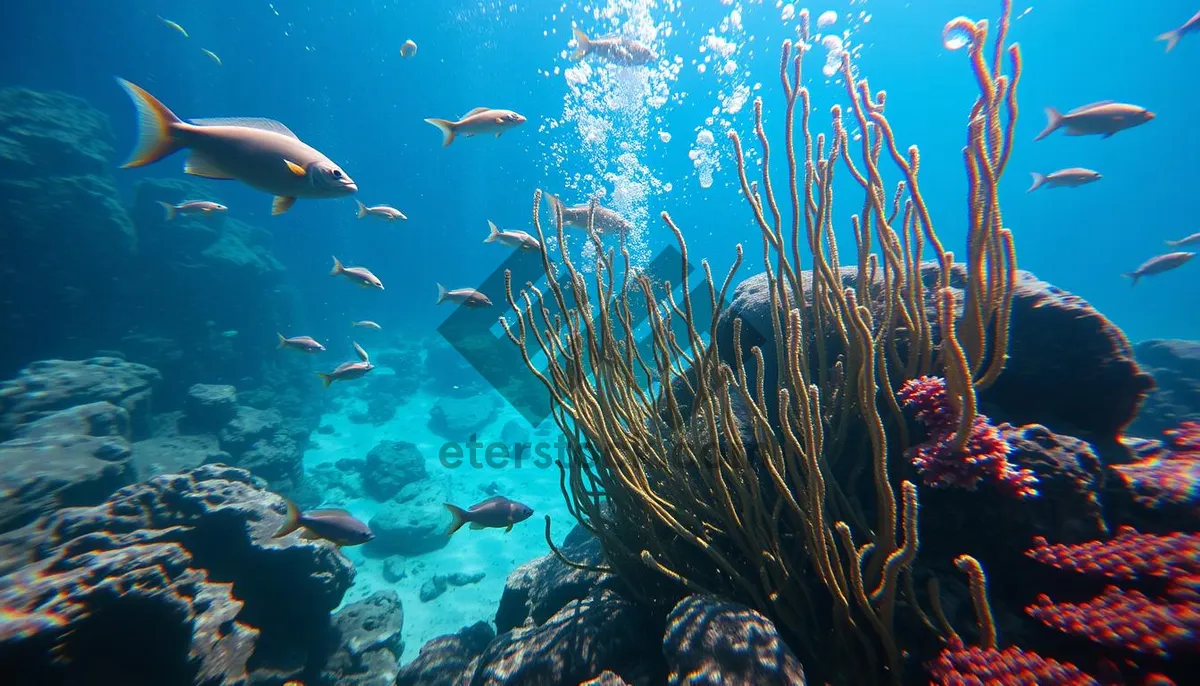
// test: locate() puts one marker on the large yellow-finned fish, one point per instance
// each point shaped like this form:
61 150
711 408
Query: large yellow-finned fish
261 153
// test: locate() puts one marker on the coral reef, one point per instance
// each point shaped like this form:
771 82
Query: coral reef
1175 366
182 562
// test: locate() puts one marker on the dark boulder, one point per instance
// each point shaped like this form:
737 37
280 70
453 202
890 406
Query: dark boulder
184 563
93 419
411 524
539 588
49 386
366 636
443 660
438 584
390 466
209 407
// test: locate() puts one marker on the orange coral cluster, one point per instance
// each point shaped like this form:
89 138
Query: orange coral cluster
958 665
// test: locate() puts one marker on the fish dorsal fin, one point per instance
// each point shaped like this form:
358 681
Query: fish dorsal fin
248 123
1091 105
198 164
477 110
489 501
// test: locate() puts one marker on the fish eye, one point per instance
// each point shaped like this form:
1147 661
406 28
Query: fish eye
337 173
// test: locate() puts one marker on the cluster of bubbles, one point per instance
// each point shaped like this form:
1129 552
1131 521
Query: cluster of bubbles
704 157
609 114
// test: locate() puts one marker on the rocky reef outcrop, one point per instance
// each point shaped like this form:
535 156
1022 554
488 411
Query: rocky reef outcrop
1175 366
366 640
184 563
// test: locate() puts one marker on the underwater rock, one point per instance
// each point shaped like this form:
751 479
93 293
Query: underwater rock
1069 368
394 571
93 419
380 410
411 524
601 632
516 436
329 479
439 583
1175 366
174 534
728 643
367 639
248 426
48 386
606 678
66 236
443 660
41 475
457 420
209 407
390 466
173 454
539 588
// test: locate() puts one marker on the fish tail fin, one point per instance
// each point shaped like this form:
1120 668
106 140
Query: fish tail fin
326 379
1038 180
337 267
493 233
169 210
1133 276
441 294
1173 244
362 209
1171 37
1053 121
458 518
282 341
156 128
447 129
585 44
291 520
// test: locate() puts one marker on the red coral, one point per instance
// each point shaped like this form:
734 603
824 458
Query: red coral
957 664
1129 619
1168 472
983 458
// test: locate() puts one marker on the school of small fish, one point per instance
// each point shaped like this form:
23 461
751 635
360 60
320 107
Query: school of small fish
1105 119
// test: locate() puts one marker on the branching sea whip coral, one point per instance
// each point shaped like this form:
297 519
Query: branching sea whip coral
761 472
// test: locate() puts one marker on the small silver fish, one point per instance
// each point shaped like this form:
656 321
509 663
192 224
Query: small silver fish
334 525
624 51
192 207
382 211
261 153
305 344
1072 177
605 221
1190 240
409 49
496 512
348 371
359 275
1102 118
211 55
512 239
463 296
1160 264
481 120
1172 37
174 27
366 324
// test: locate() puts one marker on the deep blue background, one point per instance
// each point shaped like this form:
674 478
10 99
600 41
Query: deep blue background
331 71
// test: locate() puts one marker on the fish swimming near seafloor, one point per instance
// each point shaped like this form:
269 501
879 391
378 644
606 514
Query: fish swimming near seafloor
496 512
382 211
479 121
624 51
192 208
1193 239
334 525
604 220
468 297
1172 37
305 344
520 240
1069 178
261 153
359 275
1102 119
348 371
1160 264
